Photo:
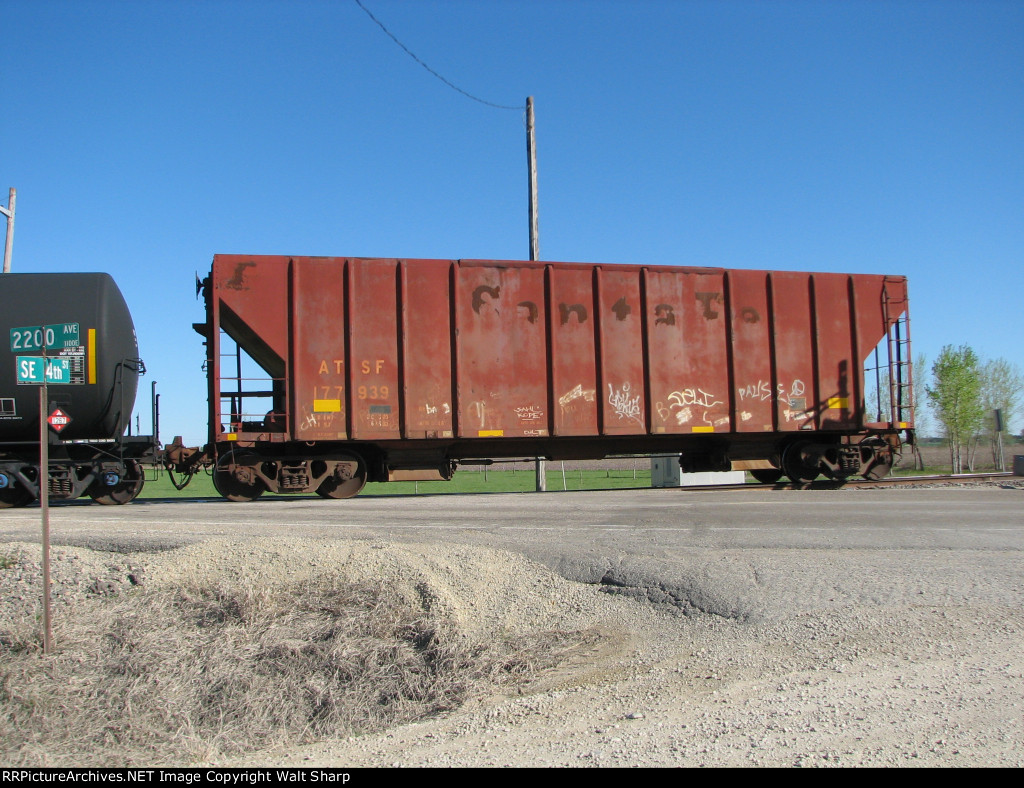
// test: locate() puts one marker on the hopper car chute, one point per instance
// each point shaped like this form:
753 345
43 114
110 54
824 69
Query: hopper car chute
325 373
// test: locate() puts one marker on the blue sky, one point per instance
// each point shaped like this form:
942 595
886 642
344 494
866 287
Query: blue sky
861 137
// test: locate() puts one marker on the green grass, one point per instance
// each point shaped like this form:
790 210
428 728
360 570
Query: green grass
464 482
941 470
929 470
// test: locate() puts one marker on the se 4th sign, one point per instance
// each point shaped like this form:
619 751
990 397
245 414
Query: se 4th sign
39 369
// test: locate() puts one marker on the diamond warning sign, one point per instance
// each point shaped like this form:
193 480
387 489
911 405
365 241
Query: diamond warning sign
58 420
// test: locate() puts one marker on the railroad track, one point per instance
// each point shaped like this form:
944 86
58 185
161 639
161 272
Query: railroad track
890 481
959 478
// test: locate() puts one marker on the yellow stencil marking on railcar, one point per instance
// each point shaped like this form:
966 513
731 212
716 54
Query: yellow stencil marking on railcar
230 436
708 428
491 433
327 406
835 403
92 355
325 370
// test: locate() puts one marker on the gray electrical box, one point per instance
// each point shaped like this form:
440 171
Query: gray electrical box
665 472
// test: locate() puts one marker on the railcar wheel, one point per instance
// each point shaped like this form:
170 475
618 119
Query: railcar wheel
794 465
14 495
235 481
883 459
347 481
123 492
767 475
120 494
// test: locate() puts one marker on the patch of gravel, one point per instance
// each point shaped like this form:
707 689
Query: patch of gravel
916 687
1013 483
76 575
482 591
864 685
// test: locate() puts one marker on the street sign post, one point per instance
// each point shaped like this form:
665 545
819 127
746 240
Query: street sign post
44 506
43 371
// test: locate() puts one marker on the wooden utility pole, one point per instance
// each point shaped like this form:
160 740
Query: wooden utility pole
9 213
531 160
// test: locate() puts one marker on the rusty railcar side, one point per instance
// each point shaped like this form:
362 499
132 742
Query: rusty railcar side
392 368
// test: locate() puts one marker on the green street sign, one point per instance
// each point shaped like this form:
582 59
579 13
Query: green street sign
54 337
38 370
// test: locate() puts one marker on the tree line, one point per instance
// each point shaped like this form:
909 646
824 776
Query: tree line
974 402
965 395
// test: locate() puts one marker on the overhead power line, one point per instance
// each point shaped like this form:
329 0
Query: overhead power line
411 54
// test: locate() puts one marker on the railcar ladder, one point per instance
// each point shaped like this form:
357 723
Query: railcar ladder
901 375
238 409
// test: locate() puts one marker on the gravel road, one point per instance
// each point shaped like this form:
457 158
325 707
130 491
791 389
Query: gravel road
864 684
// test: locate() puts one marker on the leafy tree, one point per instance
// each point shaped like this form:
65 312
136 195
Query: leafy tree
878 396
1002 386
921 419
956 398
920 412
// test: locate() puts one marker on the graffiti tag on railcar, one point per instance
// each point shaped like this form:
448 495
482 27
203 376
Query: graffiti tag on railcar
623 405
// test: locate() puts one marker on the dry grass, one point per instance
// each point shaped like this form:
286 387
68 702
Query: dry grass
174 677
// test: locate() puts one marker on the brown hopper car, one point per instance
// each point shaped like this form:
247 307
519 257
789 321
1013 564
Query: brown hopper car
327 372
